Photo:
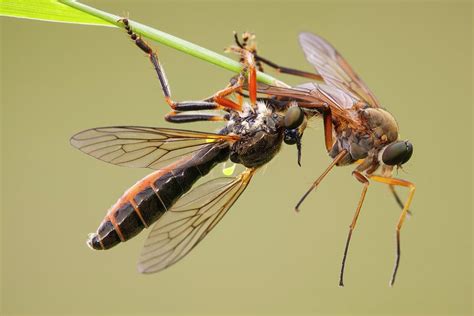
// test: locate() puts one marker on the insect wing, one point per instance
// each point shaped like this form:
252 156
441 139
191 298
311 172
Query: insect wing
314 94
142 147
334 68
183 226
299 93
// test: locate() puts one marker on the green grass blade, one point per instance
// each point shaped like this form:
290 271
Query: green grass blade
47 10
175 42
70 11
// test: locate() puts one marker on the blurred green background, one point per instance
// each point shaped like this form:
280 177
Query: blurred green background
58 79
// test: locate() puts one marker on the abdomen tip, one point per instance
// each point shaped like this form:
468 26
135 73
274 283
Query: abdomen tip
94 243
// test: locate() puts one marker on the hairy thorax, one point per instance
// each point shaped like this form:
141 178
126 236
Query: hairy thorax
260 134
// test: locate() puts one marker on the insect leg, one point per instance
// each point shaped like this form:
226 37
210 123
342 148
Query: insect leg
219 103
363 179
216 101
259 60
403 214
175 117
252 76
220 96
288 71
244 45
249 67
397 199
195 106
153 57
327 119
338 158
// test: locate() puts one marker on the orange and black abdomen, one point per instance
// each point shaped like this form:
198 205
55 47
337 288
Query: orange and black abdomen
148 199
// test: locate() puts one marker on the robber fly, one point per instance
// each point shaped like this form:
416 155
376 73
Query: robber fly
357 129
179 213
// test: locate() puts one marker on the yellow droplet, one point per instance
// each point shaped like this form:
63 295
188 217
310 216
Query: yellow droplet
229 170
210 140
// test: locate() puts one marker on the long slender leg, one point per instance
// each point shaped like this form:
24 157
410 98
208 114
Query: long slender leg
363 179
338 158
175 117
403 214
289 71
397 199
153 59
280 69
244 45
250 68
234 86
252 75
195 106
217 101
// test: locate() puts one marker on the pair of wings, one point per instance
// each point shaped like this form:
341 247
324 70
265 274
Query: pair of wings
195 214
343 88
185 224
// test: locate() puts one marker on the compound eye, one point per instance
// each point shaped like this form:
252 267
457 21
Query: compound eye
293 117
397 153
291 136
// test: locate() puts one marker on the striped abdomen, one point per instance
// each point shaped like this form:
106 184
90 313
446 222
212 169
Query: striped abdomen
149 198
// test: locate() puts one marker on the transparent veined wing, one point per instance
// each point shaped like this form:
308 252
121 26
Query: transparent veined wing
142 147
334 68
315 93
193 216
298 93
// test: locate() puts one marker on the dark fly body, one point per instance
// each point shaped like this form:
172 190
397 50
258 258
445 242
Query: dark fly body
178 212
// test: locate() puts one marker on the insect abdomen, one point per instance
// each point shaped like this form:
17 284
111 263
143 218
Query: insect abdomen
148 199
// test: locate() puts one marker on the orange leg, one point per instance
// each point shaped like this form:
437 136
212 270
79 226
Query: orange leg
338 158
248 60
327 118
323 108
398 200
252 76
403 214
363 179
220 96
231 88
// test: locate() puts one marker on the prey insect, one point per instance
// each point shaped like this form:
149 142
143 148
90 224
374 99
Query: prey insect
357 129
179 213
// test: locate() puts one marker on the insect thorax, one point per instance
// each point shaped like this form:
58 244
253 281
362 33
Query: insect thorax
260 134
379 128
